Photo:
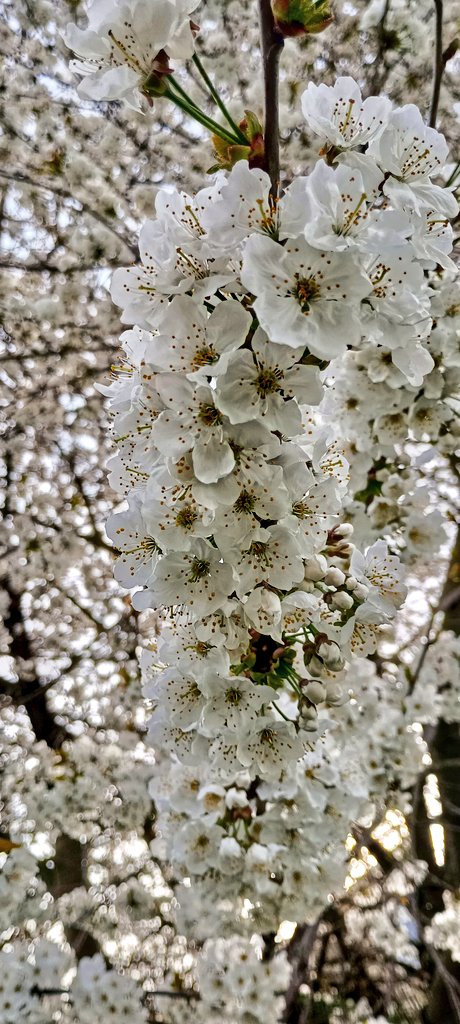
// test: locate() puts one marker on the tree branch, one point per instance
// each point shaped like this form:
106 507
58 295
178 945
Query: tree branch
271 42
439 63
41 719
23 179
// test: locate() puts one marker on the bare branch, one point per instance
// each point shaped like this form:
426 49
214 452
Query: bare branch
439 63
22 179
271 45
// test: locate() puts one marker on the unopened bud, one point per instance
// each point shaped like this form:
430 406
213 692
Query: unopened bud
316 691
334 577
308 717
236 798
336 695
361 591
316 667
316 568
342 601
228 153
332 656
301 17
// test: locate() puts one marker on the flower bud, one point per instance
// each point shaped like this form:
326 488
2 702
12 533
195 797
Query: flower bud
316 568
361 591
236 798
342 601
227 154
336 695
332 656
308 716
334 577
316 667
301 17
316 691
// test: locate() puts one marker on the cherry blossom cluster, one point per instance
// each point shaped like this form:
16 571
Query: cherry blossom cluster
33 974
232 425
236 983
377 425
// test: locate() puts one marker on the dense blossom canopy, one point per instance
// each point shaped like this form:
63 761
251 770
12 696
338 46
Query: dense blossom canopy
253 839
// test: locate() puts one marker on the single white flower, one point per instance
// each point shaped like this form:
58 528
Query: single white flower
273 556
314 505
171 514
136 544
127 42
237 206
382 574
181 645
305 298
191 421
340 116
270 747
196 344
233 702
410 152
198 579
332 207
239 522
266 385
432 239
196 845
178 697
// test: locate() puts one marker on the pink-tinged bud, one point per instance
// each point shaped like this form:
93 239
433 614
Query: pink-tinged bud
301 17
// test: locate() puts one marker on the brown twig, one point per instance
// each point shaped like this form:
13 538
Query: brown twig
439 63
271 42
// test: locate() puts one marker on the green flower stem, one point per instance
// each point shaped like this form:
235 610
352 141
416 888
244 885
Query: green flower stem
182 91
453 175
296 688
215 95
280 712
198 115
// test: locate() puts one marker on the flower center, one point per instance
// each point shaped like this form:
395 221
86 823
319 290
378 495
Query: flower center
198 569
201 648
300 509
306 290
209 415
233 696
190 265
202 843
204 356
268 381
245 503
186 517
258 550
